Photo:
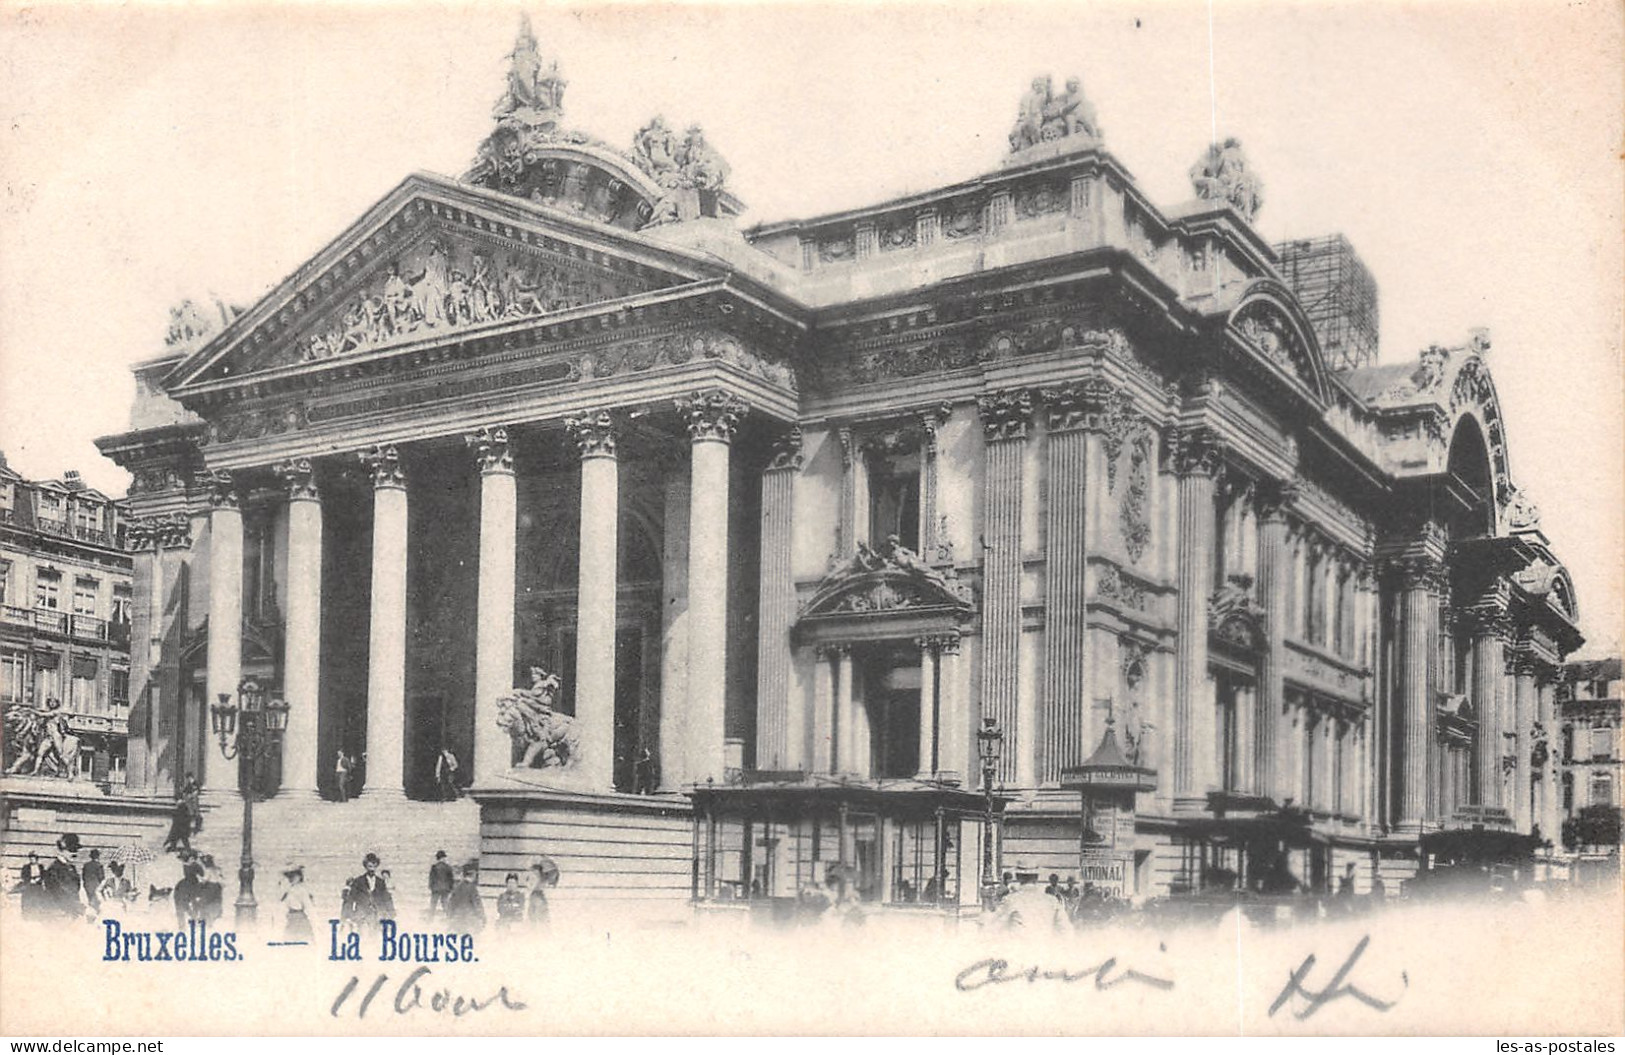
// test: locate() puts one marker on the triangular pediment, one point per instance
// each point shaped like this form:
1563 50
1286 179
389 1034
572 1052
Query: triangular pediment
435 261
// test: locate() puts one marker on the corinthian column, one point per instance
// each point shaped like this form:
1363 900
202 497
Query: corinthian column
1069 411
1488 662
594 434
1006 417
777 716
386 639
927 767
302 638
493 647
1526 705
1423 578
1272 590
711 416
225 648
1194 733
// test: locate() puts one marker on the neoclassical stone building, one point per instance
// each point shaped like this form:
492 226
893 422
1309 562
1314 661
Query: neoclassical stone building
797 507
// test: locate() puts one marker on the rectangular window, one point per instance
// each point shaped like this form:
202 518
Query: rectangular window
1602 789
1602 742
8 497
1337 770
47 678
50 506
87 517
894 500
119 689
13 676
121 604
84 696
1225 694
84 597
48 589
5 581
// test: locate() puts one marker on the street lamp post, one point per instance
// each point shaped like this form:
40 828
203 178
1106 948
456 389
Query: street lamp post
249 729
989 745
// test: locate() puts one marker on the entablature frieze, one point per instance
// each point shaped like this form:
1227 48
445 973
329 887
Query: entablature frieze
1324 673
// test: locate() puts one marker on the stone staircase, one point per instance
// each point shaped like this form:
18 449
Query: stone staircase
330 838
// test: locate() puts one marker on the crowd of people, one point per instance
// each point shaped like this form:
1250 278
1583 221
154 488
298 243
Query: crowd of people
454 899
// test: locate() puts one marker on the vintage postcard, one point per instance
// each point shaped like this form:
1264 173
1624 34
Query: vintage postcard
848 519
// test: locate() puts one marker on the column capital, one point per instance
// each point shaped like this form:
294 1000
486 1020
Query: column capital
931 420
1273 497
831 650
594 433
1199 453
168 531
938 643
299 477
1094 404
785 451
1421 573
1006 415
711 415
222 486
384 462
490 446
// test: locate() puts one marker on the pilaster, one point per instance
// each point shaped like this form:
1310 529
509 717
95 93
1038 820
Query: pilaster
777 715
1006 419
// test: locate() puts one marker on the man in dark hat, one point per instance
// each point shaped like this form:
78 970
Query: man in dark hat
32 888
441 880
465 912
191 898
62 879
368 894
92 878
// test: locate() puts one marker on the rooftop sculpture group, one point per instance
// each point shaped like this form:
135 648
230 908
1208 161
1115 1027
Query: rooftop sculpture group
1046 117
1221 174
687 169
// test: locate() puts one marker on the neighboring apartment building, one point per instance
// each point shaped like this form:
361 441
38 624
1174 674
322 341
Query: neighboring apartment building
1589 699
64 624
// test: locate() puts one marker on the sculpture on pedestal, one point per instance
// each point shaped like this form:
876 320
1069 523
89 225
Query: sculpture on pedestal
546 737
40 737
1222 175
690 170
1045 117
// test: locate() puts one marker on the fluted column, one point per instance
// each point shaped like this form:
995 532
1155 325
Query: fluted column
852 469
1006 418
302 637
1549 815
225 648
1526 706
1194 754
1423 577
928 707
777 715
825 675
930 504
493 647
711 417
1488 662
1069 411
952 719
594 435
386 637
1272 591
846 725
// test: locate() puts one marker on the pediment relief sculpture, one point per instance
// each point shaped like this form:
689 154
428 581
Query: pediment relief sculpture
1268 331
885 579
1234 616
445 284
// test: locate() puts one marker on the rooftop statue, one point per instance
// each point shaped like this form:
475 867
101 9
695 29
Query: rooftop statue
1045 116
690 170
535 94
1222 175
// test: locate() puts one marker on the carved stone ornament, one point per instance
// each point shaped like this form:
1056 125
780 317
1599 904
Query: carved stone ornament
1423 573
1006 415
222 489
1046 116
1272 498
191 322
1134 512
299 477
1234 616
1221 174
255 423
1133 655
593 433
1199 453
711 415
170 531
153 479
1537 578
1112 585
1522 514
490 447
886 579
687 167
545 737
785 451
384 463
38 742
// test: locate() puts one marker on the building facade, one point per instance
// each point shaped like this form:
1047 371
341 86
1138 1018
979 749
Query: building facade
65 606
1589 697
805 504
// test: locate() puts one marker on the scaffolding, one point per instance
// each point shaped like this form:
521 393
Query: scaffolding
1338 294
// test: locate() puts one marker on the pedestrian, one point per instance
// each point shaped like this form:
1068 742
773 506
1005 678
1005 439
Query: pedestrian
32 888
298 901
212 892
341 775
116 892
91 879
368 894
62 885
183 819
465 912
445 775
189 899
1053 888
536 909
510 903
441 880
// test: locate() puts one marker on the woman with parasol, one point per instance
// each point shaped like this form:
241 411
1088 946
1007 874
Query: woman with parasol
545 873
297 899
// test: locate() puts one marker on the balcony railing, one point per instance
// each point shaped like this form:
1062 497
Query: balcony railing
50 620
92 535
90 627
20 616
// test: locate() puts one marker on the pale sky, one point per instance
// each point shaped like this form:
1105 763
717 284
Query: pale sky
1469 150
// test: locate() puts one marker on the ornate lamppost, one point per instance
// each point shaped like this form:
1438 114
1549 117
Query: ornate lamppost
989 745
250 729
